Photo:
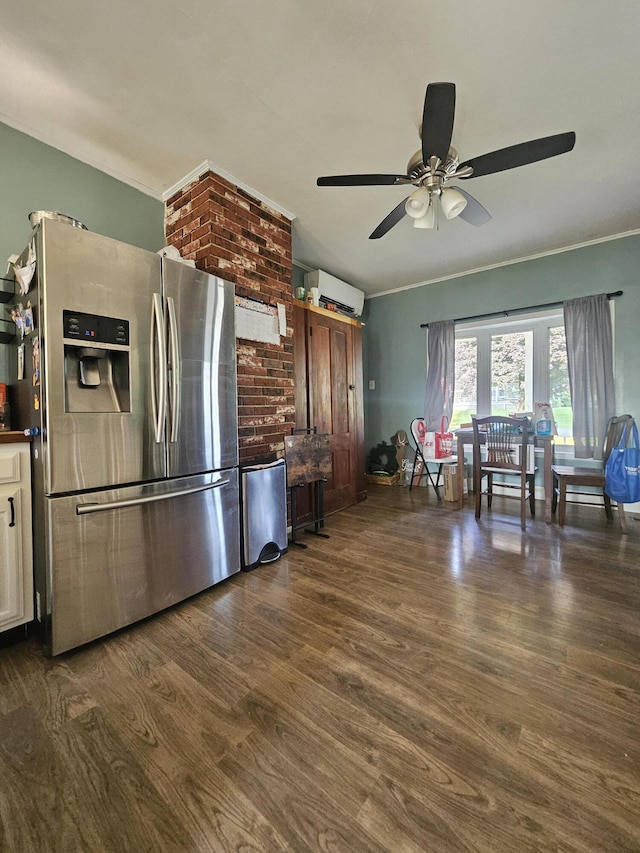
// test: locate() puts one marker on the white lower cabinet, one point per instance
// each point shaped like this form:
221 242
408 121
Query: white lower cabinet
16 561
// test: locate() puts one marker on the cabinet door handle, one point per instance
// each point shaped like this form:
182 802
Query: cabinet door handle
12 523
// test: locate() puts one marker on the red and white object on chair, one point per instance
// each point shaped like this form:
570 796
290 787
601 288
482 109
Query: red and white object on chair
443 440
426 441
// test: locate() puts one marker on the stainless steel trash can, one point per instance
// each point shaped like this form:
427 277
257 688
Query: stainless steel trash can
264 513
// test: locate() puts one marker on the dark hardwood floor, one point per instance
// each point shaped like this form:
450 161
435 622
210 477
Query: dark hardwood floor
418 682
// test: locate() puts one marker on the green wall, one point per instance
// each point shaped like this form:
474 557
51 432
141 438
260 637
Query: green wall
394 349
297 277
34 176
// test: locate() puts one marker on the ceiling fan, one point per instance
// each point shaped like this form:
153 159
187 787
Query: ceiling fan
436 164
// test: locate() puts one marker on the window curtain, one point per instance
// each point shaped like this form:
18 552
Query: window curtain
587 323
441 373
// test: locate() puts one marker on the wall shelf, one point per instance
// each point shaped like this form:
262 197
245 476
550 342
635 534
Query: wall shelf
7 331
7 293
7 289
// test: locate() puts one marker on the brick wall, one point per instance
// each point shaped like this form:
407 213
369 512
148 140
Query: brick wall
231 234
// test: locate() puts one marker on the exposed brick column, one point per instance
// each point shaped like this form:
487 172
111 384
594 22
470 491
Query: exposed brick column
230 234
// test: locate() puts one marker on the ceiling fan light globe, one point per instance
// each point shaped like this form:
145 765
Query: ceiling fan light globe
452 203
415 208
426 221
417 203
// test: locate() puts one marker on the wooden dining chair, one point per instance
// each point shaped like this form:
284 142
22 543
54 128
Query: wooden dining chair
568 480
506 441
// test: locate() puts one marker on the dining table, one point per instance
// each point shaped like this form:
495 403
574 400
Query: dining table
465 437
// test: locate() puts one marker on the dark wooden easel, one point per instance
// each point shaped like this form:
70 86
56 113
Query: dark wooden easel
308 458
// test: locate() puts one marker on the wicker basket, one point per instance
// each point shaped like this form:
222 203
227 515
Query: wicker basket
378 480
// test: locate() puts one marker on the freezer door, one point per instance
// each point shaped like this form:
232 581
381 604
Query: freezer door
93 438
118 556
202 422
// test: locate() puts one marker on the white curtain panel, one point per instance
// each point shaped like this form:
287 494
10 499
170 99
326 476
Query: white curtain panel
587 323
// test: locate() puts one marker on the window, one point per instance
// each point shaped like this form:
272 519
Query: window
466 387
509 365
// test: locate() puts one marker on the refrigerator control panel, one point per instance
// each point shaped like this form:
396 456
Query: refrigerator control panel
92 328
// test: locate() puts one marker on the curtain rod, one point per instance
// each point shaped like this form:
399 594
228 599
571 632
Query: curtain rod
519 310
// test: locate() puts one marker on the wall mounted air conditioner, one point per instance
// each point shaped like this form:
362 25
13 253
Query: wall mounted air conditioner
348 299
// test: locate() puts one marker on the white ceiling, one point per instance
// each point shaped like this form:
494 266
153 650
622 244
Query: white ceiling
278 92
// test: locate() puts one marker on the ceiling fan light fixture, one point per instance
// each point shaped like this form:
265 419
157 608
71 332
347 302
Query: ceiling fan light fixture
452 203
437 162
418 203
428 220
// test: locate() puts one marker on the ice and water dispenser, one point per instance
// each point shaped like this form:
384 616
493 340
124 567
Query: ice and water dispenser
96 363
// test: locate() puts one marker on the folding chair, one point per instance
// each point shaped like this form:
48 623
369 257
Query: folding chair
421 465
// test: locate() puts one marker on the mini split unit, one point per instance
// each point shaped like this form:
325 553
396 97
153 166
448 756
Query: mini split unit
348 299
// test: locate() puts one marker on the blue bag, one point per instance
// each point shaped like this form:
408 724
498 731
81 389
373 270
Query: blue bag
621 478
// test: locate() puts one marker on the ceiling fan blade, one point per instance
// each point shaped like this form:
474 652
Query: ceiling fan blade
437 120
474 213
389 221
520 155
361 180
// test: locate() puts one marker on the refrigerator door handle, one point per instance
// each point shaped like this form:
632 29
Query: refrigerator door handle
158 368
176 367
85 509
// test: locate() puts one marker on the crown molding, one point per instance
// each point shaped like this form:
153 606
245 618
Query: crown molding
208 166
303 266
81 157
522 260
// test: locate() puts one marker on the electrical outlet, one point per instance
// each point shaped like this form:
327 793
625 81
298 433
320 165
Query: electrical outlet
372 385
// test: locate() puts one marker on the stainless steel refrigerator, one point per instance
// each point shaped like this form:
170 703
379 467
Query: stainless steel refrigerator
128 382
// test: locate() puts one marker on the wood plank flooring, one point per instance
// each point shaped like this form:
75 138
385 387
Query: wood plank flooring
418 682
